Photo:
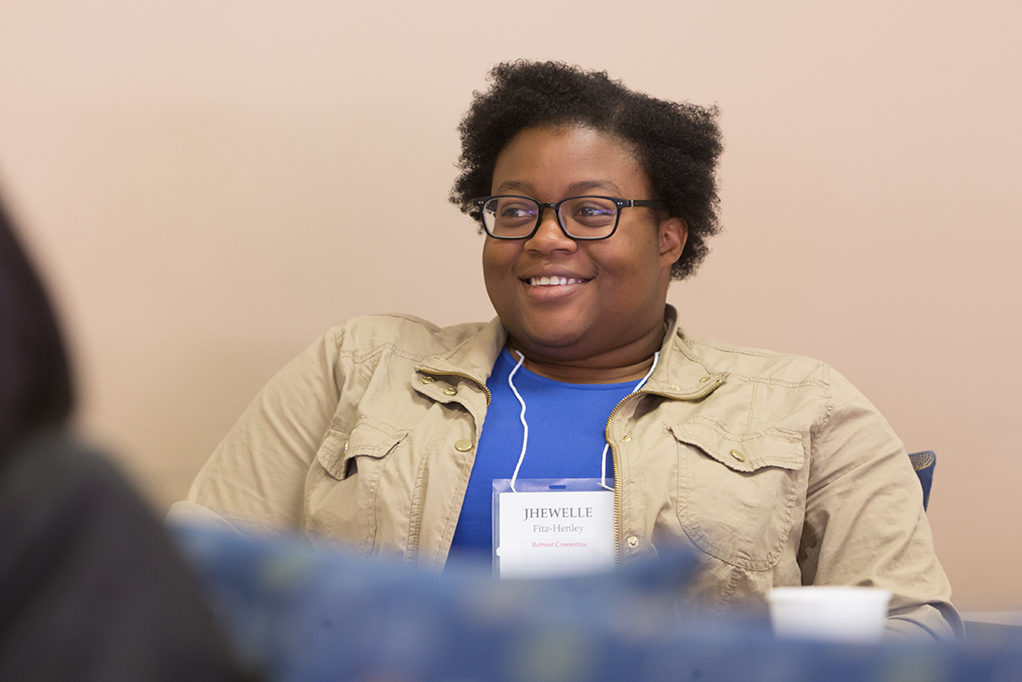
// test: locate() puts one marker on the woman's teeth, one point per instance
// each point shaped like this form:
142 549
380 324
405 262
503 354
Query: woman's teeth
553 281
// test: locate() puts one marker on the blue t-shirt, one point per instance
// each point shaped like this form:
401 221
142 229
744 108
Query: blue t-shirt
567 423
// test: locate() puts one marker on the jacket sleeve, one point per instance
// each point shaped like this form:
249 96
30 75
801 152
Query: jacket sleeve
255 477
865 523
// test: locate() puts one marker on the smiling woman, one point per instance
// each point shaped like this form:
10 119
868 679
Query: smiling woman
400 438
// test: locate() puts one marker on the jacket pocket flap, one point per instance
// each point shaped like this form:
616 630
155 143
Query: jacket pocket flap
340 451
745 453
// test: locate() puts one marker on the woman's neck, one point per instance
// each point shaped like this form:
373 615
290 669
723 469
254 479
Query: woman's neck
626 363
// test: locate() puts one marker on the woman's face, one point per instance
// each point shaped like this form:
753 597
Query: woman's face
580 302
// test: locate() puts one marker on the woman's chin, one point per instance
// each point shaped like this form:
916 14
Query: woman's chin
557 343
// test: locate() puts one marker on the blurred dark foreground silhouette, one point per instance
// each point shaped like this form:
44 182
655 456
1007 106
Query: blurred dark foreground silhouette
91 587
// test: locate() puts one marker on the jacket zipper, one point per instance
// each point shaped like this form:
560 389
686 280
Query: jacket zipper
617 493
476 382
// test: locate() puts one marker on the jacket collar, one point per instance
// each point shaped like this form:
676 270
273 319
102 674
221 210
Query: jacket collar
679 373
473 358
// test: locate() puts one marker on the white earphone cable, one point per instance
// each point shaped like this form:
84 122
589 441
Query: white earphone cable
525 424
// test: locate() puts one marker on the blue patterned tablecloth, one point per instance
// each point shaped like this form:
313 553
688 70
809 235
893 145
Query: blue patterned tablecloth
305 614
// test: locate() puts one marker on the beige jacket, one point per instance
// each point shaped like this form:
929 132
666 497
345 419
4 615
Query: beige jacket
774 467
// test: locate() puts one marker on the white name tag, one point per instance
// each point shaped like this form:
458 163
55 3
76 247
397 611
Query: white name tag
552 527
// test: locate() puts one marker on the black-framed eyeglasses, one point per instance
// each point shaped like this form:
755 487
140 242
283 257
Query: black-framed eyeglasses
585 218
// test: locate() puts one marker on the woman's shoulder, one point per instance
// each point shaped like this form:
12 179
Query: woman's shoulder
782 384
408 333
756 364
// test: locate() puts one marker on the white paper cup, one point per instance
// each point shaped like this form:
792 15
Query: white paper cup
850 614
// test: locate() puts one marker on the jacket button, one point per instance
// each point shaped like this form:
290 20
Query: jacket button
632 542
703 380
463 445
626 438
426 379
674 387
450 390
737 454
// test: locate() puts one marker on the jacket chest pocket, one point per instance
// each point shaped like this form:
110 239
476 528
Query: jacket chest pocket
739 496
341 502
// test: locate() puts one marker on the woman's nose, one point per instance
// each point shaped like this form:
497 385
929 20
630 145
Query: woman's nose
549 236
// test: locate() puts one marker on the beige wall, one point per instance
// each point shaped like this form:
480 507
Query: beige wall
211 184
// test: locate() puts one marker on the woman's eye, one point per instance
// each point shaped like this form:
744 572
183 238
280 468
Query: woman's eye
516 211
593 214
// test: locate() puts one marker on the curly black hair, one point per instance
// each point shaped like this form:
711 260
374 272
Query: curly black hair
677 143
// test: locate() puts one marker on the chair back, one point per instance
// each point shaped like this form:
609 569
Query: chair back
924 462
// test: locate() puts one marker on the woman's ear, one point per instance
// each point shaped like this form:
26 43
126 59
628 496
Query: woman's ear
673 235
